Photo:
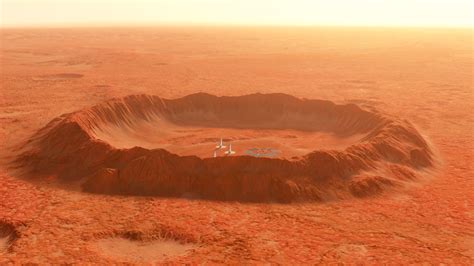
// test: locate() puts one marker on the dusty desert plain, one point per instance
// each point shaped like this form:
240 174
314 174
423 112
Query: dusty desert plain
107 138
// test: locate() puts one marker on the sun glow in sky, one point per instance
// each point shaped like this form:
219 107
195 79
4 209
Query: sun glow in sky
436 13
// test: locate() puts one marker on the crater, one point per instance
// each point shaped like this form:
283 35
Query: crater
284 148
8 235
138 247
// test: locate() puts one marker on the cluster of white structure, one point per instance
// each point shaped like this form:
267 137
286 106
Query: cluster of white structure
220 145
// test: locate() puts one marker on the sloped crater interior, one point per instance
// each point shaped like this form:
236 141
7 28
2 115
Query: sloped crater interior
194 125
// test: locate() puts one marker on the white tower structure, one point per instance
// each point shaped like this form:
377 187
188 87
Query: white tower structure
230 151
220 145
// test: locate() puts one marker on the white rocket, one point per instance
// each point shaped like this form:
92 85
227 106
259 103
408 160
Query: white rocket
220 145
230 151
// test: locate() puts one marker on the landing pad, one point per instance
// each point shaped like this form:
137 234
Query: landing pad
262 152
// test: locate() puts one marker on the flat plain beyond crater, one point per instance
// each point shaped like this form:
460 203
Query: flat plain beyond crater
351 145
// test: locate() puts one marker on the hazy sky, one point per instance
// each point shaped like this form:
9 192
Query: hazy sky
445 13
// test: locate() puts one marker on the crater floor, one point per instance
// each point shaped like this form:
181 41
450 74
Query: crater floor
203 141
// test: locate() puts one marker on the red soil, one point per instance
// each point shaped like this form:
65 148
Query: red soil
423 75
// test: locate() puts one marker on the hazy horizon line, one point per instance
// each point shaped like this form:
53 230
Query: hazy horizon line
223 25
